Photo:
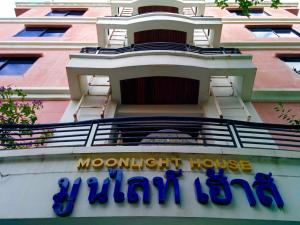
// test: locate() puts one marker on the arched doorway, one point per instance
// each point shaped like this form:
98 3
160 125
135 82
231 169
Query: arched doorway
157 8
159 90
159 35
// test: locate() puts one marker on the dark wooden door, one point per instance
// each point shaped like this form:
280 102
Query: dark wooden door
159 36
157 8
159 90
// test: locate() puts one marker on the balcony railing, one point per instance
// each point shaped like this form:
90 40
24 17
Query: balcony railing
132 131
160 46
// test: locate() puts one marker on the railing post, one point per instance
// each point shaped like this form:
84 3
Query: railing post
91 135
235 135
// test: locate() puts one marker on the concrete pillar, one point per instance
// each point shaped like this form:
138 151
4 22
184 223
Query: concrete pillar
102 35
74 84
130 37
190 36
114 10
215 36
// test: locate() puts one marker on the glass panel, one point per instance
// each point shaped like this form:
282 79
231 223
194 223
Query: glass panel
263 33
30 32
57 13
75 13
286 32
293 63
251 12
2 61
258 13
54 32
17 66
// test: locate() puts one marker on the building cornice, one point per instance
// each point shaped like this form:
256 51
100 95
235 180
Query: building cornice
49 20
79 45
276 95
262 45
71 152
107 3
45 44
261 20
93 20
26 4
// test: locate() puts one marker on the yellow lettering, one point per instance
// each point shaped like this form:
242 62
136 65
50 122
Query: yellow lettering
136 165
83 164
151 163
208 163
221 165
111 162
195 164
233 165
124 163
176 162
245 165
97 163
163 163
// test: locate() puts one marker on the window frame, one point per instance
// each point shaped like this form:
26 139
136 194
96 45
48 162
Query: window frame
272 29
236 11
67 12
44 31
286 57
7 60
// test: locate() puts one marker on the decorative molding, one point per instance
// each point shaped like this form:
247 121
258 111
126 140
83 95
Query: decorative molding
262 20
262 45
45 44
46 93
276 95
98 3
49 20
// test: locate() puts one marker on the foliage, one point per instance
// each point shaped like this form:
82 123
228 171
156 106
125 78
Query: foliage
244 5
19 112
286 114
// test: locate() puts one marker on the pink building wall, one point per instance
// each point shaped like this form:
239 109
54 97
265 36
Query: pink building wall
48 71
271 71
52 111
269 115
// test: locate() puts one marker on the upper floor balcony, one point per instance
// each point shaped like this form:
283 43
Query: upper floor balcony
197 7
188 68
161 27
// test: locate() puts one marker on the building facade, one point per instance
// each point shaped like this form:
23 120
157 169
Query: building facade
154 112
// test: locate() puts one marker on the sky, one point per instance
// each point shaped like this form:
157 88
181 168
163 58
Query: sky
7 8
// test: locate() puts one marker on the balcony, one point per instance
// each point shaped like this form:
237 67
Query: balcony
168 60
199 6
190 27
149 131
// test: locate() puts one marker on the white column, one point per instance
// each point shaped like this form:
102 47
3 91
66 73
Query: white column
215 36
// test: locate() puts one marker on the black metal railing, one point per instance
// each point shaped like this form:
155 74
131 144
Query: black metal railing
132 131
160 46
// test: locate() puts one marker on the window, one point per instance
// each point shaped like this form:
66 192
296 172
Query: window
42 32
15 65
66 13
265 32
292 62
252 12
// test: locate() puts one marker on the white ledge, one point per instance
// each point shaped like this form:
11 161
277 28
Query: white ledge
49 20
